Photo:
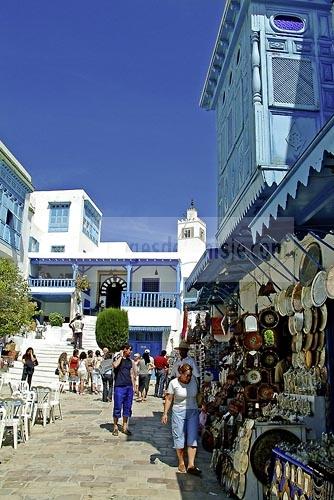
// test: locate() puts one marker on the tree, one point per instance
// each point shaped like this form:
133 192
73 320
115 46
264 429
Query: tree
16 308
112 328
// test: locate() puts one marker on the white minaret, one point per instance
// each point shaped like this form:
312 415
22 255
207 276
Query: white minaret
191 239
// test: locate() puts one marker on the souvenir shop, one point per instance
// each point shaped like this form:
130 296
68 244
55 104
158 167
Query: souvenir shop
265 417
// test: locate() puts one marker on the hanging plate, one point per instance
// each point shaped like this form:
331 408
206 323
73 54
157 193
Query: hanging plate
308 340
310 263
308 320
288 300
291 325
269 358
269 336
268 318
330 282
315 341
298 320
322 317
253 341
299 342
242 486
250 322
296 298
253 377
281 303
318 289
308 360
306 297
314 318
322 358
321 341
266 392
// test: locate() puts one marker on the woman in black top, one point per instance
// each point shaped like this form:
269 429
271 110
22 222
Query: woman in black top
29 361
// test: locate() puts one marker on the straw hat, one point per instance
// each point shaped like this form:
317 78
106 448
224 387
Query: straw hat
183 345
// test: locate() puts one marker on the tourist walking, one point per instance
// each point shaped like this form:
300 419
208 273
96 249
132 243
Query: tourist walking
73 370
82 372
106 371
136 359
77 326
161 371
184 359
96 375
29 361
150 369
124 385
90 367
63 366
181 393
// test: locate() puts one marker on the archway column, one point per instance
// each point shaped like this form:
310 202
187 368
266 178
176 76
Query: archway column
128 278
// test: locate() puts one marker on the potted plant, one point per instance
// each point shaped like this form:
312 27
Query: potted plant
56 319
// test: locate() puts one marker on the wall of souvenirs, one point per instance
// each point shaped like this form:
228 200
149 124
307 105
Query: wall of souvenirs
265 385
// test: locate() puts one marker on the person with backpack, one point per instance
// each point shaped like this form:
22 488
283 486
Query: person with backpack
77 326
107 373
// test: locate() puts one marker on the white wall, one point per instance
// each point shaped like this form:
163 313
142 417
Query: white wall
166 275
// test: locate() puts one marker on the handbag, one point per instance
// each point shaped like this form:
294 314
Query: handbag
57 371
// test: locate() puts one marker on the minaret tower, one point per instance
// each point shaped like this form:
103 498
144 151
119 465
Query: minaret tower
191 239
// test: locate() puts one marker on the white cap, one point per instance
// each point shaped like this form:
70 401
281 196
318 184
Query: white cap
147 351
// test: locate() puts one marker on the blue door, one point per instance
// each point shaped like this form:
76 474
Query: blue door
146 340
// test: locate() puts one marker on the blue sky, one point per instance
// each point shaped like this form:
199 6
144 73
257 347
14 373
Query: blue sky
104 96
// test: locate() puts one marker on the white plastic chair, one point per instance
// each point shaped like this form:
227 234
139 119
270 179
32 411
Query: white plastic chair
14 388
55 402
28 412
13 417
1 383
42 405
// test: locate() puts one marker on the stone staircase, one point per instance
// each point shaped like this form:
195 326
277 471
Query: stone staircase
48 350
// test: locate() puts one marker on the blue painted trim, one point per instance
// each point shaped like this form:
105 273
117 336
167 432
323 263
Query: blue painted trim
104 262
128 277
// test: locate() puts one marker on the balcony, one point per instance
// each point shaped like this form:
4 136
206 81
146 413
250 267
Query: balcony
150 299
52 282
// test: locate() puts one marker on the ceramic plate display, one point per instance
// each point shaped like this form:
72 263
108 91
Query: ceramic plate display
318 289
322 317
308 340
278 470
315 341
250 392
242 486
299 342
291 325
250 323
293 344
236 460
253 341
315 358
310 263
308 321
269 358
301 359
266 392
288 300
296 298
244 444
321 341
268 337
260 454
253 377
281 303
295 360
314 318
306 297
322 358
330 282
244 462
308 359
268 318
287 470
298 320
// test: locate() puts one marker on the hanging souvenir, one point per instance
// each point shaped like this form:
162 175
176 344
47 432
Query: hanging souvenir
296 297
306 297
268 318
330 282
253 341
250 322
310 263
318 289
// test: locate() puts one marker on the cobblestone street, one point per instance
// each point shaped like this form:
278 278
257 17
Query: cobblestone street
78 458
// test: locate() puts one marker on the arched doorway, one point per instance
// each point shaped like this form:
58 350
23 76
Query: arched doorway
112 289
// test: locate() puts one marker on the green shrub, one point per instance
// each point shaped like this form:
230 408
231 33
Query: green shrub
112 328
56 319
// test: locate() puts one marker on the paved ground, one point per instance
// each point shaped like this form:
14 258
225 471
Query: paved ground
78 458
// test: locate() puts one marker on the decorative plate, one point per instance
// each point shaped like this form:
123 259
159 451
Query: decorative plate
281 303
244 444
260 454
291 325
330 282
268 337
253 377
299 342
278 470
322 317
308 321
295 360
308 340
315 341
269 358
266 392
296 298
322 359
287 470
314 318
236 460
288 300
301 359
269 318
308 359
243 463
250 322
321 341
253 341
298 320
318 289
315 358
306 297
310 263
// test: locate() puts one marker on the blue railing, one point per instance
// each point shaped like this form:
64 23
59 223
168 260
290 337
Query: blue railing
150 299
52 282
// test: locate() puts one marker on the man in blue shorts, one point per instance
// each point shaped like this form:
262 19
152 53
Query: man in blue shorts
124 385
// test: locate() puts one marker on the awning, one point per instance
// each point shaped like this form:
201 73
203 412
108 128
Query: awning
306 194
148 329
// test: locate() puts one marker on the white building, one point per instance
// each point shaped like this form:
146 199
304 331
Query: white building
65 242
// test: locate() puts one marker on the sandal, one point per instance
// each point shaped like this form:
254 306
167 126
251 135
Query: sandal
195 471
182 469
115 432
127 432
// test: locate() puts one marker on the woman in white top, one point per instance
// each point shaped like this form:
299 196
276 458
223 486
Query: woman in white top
82 372
182 392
